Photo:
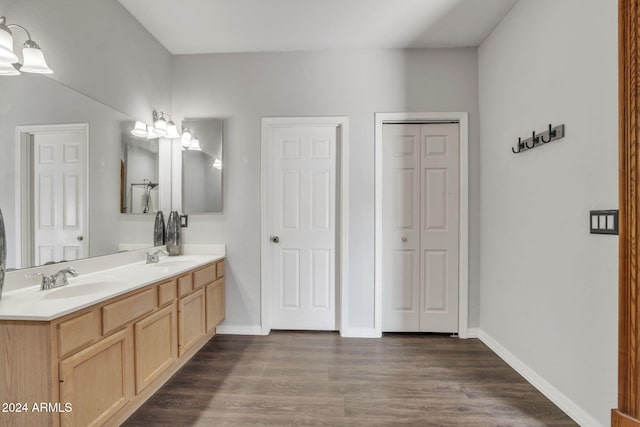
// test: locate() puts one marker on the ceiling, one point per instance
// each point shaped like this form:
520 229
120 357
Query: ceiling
214 26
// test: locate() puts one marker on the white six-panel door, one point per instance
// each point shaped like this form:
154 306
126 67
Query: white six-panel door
302 227
420 218
59 196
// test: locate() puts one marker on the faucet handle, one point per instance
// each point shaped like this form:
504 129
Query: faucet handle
47 280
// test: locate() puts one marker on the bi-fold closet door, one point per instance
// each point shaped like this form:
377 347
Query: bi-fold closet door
420 218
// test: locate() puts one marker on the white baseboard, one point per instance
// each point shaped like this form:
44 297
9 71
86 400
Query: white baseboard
556 396
473 332
239 330
360 333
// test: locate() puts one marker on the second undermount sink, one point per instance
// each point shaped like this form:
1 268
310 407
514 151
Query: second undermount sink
80 289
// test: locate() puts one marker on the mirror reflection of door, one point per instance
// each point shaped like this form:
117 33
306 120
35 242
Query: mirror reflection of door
57 193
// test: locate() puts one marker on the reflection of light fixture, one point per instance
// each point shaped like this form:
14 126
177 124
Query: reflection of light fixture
185 139
172 130
195 145
32 56
217 164
151 132
160 128
159 124
140 130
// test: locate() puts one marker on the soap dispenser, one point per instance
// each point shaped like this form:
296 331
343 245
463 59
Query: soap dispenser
158 230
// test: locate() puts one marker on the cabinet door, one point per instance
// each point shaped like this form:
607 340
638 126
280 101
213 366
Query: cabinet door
97 381
156 345
215 304
191 320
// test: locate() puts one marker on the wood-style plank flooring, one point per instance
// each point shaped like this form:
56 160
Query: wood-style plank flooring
321 379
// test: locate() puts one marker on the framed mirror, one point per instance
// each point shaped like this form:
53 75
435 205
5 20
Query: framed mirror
202 166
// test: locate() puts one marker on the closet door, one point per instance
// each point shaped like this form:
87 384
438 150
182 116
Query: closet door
401 228
420 217
439 225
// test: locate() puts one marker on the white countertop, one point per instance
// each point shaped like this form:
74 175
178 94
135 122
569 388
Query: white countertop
88 289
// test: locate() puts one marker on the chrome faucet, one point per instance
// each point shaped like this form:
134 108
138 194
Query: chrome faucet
153 258
53 281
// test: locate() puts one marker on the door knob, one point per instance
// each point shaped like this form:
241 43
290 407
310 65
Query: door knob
275 239
80 238
404 239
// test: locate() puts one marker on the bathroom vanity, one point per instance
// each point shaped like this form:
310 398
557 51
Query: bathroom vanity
92 352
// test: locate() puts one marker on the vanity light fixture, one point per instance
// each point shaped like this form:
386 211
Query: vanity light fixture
140 130
195 145
161 128
32 56
185 139
159 124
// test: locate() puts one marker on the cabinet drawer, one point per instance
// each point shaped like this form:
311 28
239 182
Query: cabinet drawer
184 285
220 269
124 311
204 276
166 293
78 332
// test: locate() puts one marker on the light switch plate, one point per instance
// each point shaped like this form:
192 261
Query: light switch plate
604 222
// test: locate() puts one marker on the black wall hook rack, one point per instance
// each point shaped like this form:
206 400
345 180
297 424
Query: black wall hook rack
535 140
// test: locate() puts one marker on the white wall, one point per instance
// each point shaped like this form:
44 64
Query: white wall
242 88
97 48
548 289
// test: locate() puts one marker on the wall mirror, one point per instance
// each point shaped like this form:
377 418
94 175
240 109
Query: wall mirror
202 166
139 173
46 127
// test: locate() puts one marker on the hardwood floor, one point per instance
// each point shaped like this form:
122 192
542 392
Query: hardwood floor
321 379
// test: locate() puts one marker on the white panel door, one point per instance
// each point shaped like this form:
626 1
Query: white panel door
401 228
420 228
439 228
59 196
302 217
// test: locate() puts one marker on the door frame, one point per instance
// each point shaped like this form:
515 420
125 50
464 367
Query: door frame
23 185
341 123
463 237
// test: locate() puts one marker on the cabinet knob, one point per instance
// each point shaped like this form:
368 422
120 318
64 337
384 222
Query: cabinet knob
275 239
404 239
80 238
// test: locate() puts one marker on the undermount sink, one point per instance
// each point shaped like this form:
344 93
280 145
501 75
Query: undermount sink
171 264
79 290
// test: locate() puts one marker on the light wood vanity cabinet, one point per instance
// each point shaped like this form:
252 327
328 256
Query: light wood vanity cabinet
97 381
155 345
191 323
108 359
215 303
